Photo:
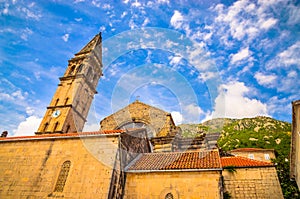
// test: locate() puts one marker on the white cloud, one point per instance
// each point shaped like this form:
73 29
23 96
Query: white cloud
136 4
31 14
124 14
78 19
79 1
288 58
291 55
241 55
28 127
163 1
292 74
267 24
5 9
244 20
204 76
175 60
107 6
192 113
25 33
233 103
146 21
177 19
294 14
177 117
65 37
90 127
264 79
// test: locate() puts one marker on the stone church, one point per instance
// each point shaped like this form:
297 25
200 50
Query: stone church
137 153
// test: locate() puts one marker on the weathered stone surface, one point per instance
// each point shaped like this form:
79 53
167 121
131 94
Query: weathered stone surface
192 185
158 121
258 183
29 169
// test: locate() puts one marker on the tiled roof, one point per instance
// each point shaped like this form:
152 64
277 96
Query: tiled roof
238 161
250 150
80 134
176 161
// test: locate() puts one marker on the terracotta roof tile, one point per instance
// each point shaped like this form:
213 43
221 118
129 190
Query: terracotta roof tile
177 160
79 134
238 161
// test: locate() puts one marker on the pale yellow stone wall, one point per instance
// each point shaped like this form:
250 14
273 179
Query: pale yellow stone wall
191 185
258 155
29 169
253 183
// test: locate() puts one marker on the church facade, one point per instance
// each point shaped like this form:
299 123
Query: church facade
137 153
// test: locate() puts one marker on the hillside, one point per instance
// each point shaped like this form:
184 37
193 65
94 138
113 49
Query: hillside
258 132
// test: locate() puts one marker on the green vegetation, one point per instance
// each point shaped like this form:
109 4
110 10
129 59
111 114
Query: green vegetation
258 132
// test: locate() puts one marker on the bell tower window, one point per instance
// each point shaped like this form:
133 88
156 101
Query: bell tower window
66 101
46 126
55 126
79 68
71 70
68 128
56 102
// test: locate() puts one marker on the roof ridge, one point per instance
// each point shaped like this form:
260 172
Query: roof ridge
183 152
78 134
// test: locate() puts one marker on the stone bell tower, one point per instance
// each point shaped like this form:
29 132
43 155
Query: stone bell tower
71 102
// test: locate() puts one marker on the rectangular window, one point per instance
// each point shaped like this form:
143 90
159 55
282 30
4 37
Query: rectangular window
251 156
267 156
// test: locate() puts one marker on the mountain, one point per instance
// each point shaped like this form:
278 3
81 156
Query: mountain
257 132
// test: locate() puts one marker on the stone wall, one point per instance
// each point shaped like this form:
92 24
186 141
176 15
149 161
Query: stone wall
250 183
257 154
30 168
159 121
192 185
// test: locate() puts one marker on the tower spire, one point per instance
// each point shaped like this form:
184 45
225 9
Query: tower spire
71 102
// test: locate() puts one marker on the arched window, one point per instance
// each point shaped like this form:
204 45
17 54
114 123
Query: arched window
66 101
62 177
89 73
71 70
79 68
46 126
55 126
56 102
95 78
169 196
68 128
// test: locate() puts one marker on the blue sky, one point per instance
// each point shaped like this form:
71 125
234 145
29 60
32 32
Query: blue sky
195 59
